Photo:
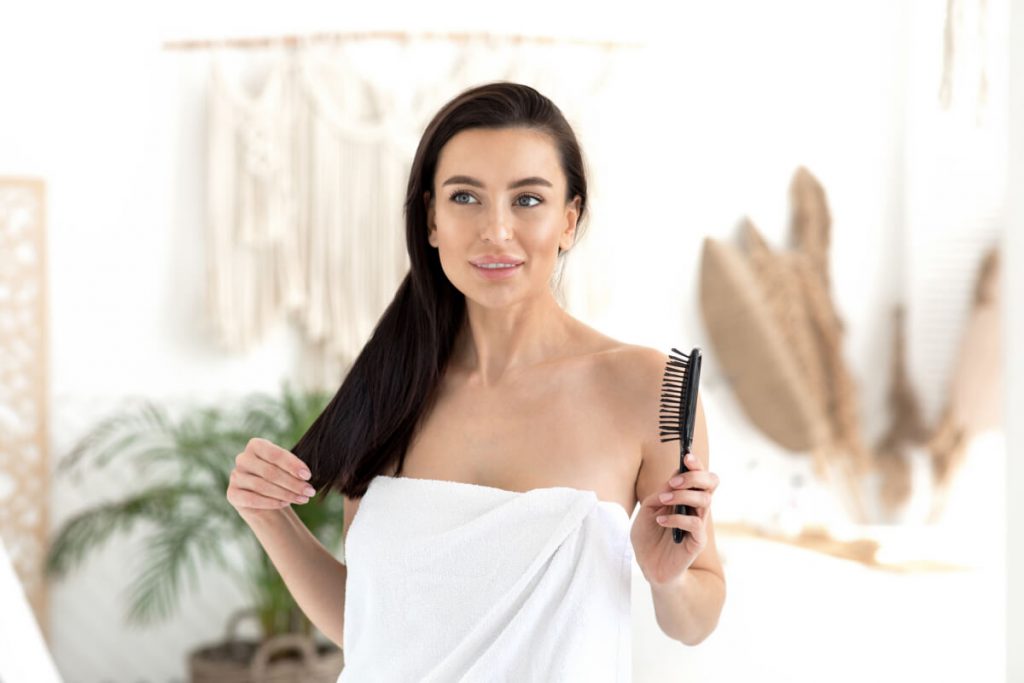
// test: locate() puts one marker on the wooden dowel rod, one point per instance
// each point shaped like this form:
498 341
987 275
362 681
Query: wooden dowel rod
400 36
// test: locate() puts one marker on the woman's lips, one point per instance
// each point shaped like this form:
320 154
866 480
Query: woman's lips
497 273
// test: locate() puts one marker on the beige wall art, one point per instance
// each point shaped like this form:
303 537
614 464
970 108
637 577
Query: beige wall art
777 332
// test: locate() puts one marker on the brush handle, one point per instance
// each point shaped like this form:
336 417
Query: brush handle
677 534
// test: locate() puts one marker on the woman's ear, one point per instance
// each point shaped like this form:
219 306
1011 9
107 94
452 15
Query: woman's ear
428 203
572 215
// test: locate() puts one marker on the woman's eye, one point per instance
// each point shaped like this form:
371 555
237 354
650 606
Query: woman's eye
455 198
529 196
459 194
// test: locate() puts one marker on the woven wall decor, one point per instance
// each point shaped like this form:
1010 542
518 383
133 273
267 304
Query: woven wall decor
906 424
752 349
24 466
778 335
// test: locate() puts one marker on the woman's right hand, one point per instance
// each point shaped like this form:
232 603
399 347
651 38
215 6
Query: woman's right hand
267 477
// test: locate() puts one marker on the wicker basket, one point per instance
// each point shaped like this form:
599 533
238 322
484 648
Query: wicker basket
272 661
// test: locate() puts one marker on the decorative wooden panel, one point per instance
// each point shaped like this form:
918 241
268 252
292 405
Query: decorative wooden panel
24 465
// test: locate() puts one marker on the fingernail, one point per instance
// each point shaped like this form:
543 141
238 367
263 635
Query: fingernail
305 474
676 480
309 491
665 497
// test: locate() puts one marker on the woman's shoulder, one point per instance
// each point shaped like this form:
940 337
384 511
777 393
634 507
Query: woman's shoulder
620 356
632 371
628 383
636 371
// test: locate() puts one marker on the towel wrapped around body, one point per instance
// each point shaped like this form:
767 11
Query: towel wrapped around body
450 581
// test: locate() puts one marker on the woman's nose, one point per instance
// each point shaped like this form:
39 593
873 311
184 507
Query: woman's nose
499 224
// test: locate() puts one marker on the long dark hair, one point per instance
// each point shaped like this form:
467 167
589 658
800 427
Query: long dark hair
392 383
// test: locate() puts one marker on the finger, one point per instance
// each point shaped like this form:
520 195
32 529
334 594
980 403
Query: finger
689 523
692 497
249 482
279 457
694 480
654 500
247 499
248 463
254 484
693 525
276 475
692 462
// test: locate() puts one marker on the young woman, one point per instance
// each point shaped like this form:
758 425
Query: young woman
479 396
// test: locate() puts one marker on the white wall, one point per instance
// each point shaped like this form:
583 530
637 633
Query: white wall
737 95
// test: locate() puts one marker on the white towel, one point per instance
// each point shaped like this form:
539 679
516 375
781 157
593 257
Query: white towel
449 581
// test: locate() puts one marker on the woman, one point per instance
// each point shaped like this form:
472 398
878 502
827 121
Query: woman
477 387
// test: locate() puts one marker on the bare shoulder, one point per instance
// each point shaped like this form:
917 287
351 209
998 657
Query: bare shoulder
623 372
634 372
640 373
637 368
619 360
637 374
631 375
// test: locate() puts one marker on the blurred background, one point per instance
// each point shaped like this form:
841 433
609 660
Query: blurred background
200 223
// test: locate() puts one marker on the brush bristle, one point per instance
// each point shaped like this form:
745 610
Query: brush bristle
674 386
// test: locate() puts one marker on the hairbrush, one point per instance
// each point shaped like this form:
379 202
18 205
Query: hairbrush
678 410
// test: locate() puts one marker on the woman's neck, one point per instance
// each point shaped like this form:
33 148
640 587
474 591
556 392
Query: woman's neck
495 344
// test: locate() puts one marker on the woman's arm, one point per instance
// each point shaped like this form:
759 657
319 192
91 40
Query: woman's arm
688 609
314 577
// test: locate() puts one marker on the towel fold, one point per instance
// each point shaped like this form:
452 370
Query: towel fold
449 581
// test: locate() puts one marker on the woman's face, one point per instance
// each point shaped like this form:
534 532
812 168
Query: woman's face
500 192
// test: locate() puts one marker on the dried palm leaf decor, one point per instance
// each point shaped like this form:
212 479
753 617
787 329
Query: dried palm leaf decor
906 426
778 336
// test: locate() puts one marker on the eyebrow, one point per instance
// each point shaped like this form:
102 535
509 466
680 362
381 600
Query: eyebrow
467 180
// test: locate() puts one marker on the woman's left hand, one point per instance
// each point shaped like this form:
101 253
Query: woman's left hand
661 559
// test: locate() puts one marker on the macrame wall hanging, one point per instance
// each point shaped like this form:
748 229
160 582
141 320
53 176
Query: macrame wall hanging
24 458
306 179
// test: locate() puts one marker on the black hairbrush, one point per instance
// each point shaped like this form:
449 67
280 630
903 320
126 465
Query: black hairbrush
678 410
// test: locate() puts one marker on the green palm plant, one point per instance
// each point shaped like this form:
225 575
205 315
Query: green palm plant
187 508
